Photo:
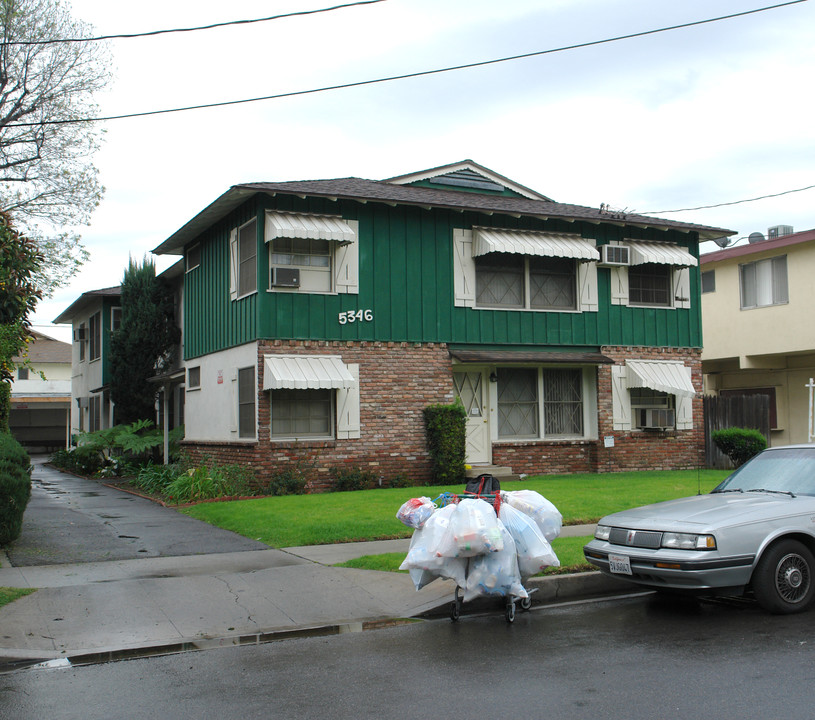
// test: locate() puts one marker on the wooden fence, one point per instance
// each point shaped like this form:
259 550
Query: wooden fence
747 411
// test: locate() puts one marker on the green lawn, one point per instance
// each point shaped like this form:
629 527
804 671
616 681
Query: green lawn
371 514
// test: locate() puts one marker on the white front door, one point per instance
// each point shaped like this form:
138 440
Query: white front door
473 395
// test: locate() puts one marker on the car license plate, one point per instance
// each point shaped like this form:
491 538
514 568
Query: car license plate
619 564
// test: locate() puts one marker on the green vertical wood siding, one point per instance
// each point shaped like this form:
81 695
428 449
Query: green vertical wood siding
406 279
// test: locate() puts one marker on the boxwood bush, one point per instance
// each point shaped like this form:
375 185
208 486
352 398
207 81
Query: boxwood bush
446 438
15 487
739 444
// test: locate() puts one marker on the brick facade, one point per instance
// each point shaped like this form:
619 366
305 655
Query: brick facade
398 380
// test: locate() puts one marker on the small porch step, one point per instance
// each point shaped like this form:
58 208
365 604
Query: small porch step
504 474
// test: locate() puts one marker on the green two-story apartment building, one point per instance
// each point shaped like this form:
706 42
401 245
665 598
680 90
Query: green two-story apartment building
321 318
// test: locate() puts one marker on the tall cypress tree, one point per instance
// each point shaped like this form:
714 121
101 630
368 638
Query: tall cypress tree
141 347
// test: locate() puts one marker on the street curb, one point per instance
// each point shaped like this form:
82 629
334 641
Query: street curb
549 591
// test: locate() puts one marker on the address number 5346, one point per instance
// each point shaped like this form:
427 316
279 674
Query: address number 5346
352 316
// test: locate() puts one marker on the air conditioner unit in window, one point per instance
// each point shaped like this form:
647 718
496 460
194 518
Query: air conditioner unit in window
284 277
615 255
80 334
657 418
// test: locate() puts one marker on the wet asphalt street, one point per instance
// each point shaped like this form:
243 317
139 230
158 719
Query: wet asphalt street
632 659
73 520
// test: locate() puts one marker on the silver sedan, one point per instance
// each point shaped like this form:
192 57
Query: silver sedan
753 534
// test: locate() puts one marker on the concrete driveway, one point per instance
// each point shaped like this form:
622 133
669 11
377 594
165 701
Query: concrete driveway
74 520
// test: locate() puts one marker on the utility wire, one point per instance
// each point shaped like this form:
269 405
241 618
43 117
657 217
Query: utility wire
127 36
734 202
421 73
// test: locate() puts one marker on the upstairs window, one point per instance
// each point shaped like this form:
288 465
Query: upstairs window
650 284
503 269
709 281
764 283
193 257
505 280
312 253
243 250
22 373
95 336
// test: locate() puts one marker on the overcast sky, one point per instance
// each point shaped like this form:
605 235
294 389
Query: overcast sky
698 116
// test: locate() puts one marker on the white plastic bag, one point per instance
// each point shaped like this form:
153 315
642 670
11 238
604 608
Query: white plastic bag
473 530
415 512
495 573
543 512
532 548
423 560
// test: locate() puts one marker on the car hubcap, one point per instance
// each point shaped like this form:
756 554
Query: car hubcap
792 578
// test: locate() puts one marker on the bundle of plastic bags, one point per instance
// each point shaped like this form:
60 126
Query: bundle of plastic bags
483 553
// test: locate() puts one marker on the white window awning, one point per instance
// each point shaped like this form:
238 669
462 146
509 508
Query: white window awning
662 375
311 227
660 253
523 242
306 372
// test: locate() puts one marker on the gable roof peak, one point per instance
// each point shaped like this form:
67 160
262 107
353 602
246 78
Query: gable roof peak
467 173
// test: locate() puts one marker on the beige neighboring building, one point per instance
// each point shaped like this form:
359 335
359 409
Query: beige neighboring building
759 333
41 403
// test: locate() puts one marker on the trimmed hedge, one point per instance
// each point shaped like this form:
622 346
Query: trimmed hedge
739 444
15 487
446 441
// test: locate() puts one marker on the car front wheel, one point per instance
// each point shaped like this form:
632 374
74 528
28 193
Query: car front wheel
783 580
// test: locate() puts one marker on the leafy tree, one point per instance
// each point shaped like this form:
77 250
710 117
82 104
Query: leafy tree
19 261
142 346
46 89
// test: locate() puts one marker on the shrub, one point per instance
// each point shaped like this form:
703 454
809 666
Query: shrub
83 460
15 487
287 482
739 444
155 479
195 484
446 437
353 478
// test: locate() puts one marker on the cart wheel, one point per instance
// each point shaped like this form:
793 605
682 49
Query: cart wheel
455 606
510 614
526 603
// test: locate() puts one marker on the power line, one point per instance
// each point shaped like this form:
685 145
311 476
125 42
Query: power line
734 202
421 73
128 36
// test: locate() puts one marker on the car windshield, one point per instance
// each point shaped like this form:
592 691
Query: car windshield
791 470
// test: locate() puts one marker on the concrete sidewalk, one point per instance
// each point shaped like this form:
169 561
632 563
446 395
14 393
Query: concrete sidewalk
91 612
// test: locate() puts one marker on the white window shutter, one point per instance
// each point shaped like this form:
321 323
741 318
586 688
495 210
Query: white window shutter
619 285
684 407
620 398
348 423
346 263
233 263
463 268
587 282
681 281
